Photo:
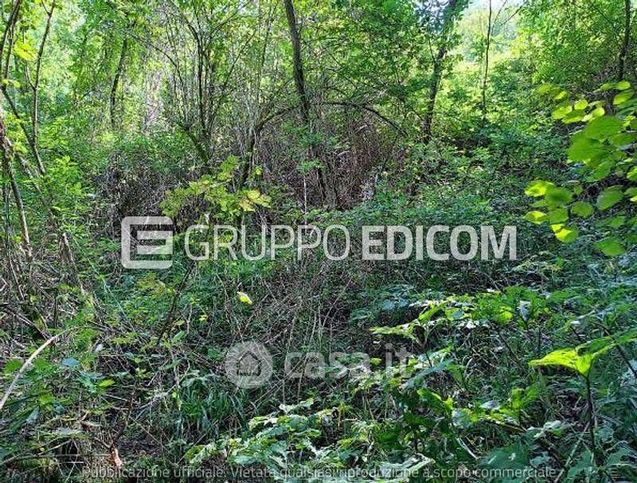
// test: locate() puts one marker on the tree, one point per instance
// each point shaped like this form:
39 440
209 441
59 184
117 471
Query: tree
299 82
441 25
623 54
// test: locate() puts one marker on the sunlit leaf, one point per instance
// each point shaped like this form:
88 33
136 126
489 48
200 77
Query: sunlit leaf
583 148
581 358
244 298
568 358
622 97
573 116
580 105
24 51
560 95
565 234
562 110
536 217
537 188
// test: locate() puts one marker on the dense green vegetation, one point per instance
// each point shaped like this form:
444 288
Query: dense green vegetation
351 112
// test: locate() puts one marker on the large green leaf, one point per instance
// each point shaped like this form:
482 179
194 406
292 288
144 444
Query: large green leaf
580 359
603 127
536 217
609 197
583 149
558 196
558 215
573 116
582 208
622 97
562 110
538 188
568 358
622 85
611 246
565 234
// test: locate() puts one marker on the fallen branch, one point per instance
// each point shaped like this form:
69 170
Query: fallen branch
26 365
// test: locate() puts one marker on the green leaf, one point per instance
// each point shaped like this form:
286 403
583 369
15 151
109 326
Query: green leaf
616 221
609 197
244 298
622 85
562 110
602 171
582 208
568 358
611 246
583 148
536 217
24 51
565 234
106 383
540 203
558 196
560 95
538 188
632 174
253 194
581 358
12 365
598 112
603 127
581 105
558 215
622 97
623 139
573 116
11 82
545 89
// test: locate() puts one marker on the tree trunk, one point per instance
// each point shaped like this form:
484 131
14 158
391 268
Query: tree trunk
427 124
5 145
299 82
623 55
449 14
35 86
116 79
299 76
485 78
